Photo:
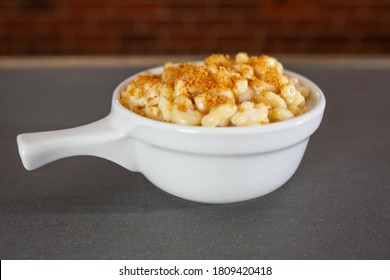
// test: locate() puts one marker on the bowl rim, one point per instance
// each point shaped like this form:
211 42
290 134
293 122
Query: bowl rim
317 110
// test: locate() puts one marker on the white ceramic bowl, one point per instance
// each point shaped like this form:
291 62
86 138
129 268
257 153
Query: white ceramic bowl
203 164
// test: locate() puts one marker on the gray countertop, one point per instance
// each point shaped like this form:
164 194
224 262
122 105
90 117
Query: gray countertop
337 205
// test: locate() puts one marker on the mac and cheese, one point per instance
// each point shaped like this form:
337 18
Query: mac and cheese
222 91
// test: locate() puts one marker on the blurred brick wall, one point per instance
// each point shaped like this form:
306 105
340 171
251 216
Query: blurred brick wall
49 27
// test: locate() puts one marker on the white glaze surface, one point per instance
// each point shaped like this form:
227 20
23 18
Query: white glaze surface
203 164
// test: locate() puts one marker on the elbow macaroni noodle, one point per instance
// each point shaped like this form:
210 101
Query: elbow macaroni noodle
222 91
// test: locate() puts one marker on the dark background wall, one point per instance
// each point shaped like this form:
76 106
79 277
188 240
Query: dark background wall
48 27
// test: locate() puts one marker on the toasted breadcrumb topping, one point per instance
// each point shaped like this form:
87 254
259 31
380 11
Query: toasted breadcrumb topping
221 91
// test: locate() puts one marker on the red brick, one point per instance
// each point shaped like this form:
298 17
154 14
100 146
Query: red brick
151 26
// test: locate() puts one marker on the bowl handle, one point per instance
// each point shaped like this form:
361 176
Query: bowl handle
96 139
